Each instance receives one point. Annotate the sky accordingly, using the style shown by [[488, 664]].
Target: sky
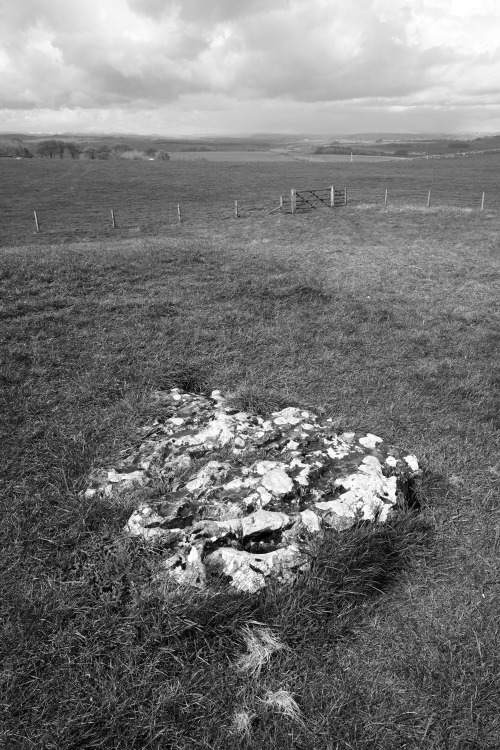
[[193, 67]]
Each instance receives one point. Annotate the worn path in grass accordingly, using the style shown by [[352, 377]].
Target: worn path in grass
[[385, 320]]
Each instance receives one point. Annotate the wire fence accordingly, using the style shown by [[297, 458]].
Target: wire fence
[[433, 197], [454, 155], [133, 216], [62, 218]]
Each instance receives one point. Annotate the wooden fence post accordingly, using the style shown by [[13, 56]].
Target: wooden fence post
[[482, 203], [179, 217], [113, 219], [429, 199], [385, 201], [332, 196], [38, 228], [345, 196], [281, 201], [293, 200], [236, 214]]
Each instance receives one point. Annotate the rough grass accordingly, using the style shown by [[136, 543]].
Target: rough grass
[[386, 321], [73, 199]]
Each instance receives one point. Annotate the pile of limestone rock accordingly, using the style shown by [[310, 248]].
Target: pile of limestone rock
[[246, 493]]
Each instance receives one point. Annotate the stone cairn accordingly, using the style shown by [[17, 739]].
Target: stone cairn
[[250, 517]]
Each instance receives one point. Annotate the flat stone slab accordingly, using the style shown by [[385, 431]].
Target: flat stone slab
[[284, 477]]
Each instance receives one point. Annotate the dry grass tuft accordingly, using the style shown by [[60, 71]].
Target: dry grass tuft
[[242, 722], [261, 644], [283, 702]]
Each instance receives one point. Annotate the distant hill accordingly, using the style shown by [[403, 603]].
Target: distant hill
[[370, 143]]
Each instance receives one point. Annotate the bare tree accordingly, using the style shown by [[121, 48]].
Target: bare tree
[[73, 150], [59, 148], [45, 149], [51, 148], [15, 148]]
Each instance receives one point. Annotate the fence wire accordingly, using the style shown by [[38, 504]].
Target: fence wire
[[415, 198], [62, 218]]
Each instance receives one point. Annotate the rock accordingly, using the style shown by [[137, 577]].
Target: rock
[[370, 441], [368, 490], [248, 519], [248, 572], [263, 522], [265, 496], [263, 467], [208, 475], [126, 479], [346, 507], [238, 566], [290, 415], [311, 521], [241, 416], [177, 515], [277, 482], [185, 567], [412, 462], [147, 523], [218, 529], [348, 437]]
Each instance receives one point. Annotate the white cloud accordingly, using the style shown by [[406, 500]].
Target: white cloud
[[264, 57]]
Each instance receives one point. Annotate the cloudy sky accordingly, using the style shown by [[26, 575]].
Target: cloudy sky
[[241, 66]]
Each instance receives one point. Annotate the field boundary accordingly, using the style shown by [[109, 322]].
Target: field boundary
[[303, 200], [65, 201], [457, 154]]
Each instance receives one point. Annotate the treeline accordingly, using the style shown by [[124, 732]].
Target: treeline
[[54, 148], [15, 149]]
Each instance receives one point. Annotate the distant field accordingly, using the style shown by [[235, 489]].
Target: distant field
[[74, 199], [232, 156], [339, 158], [276, 155]]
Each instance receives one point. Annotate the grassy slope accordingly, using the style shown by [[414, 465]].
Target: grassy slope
[[388, 321]]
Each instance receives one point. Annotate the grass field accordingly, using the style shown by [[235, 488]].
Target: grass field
[[273, 155], [232, 156], [385, 319], [73, 199]]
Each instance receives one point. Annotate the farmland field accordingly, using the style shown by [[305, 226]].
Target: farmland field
[[231, 156], [387, 320], [73, 199], [271, 155]]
